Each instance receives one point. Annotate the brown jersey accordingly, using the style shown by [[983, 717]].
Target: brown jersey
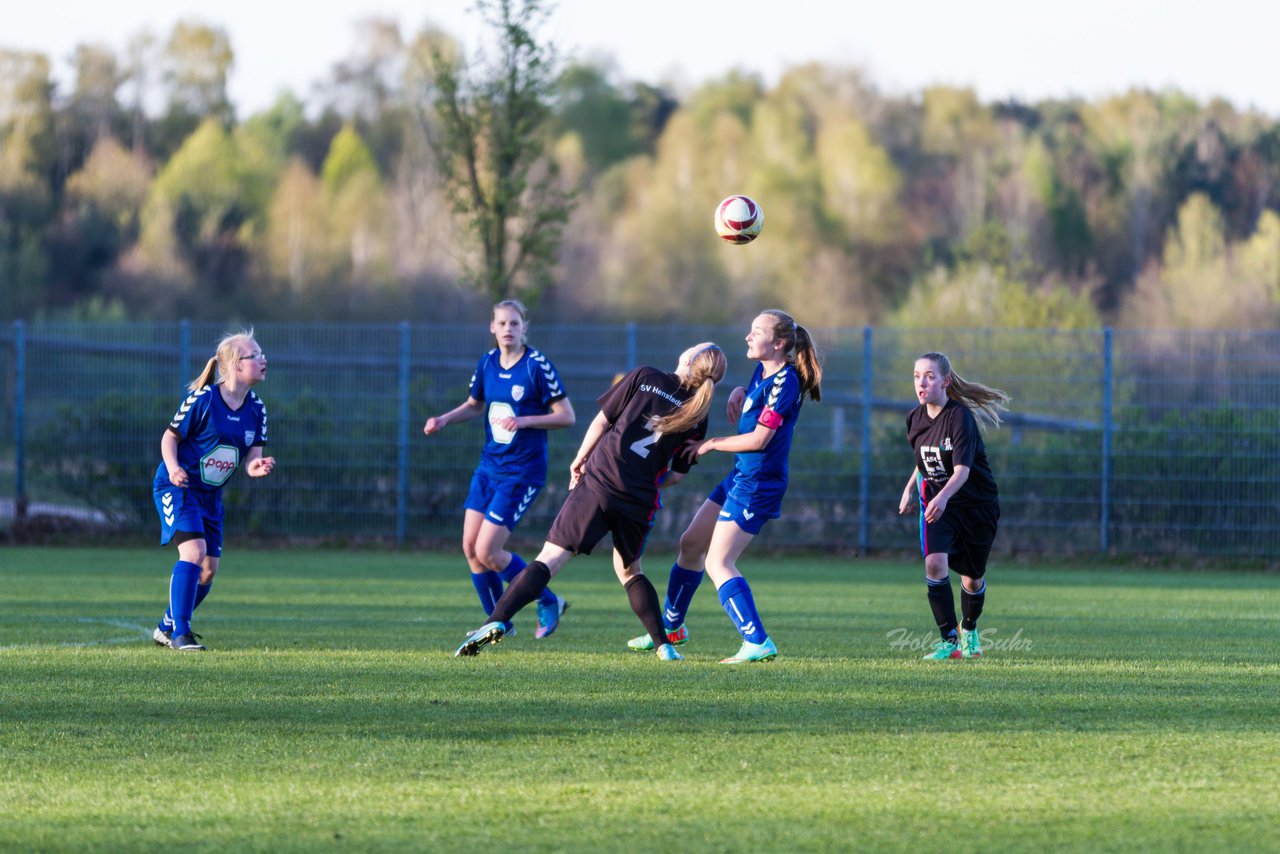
[[628, 462]]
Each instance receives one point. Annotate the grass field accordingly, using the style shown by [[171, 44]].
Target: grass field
[[1118, 709]]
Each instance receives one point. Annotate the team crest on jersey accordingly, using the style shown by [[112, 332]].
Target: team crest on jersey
[[517, 392], [248, 437]]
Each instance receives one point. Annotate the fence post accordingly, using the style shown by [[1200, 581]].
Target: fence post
[[864, 485], [184, 351], [1108, 380], [19, 426], [632, 351], [402, 440]]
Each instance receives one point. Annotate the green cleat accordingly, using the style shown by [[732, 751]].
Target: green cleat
[[750, 652], [667, 652], [943, 650], [644, 643], [970, 643]]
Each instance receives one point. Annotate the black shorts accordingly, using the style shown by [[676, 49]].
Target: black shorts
[[964, 534], [586, 517]]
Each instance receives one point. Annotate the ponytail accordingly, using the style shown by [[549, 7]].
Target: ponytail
[[801, 351], [208, 376], [808, 368], [706, 368], [985, 402]]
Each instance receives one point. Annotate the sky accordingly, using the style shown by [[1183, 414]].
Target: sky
[[1025, 49]]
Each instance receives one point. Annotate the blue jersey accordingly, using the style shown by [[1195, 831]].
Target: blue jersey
[[213, 438], [528, 387], [760, 477]]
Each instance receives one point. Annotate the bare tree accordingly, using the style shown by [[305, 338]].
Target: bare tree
[[488, 125]]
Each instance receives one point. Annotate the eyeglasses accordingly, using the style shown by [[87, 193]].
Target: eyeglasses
[[262, 357]]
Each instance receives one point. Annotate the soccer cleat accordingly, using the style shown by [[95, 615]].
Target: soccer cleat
[[511, 631], [943, 650], [750, 652], [187, 643], [970, 643], [667, 652], [488, 633], [162, 637], [549, 617], [644, 643]]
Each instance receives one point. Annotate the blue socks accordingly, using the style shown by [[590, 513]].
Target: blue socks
[[514, 568], [202, 590], [182, 595], [740, 605], [681, 585], [488, 587]]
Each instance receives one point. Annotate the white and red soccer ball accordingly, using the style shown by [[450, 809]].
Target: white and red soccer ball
[[739, 219]]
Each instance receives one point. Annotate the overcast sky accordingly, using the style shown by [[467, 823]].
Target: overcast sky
[[1029, 49]]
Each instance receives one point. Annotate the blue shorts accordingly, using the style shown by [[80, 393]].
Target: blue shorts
[[191, 511], [748, 518], [503, 502]]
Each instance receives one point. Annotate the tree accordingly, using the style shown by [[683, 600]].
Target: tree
[[197, 61], [94, 106], [489, 129], [356, 204], [1205, 282], [591, 107], [100, 219]]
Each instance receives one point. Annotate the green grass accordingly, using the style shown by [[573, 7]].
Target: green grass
[[1134, 710]]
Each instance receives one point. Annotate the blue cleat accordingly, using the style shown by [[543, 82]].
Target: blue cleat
[[549, 617], [187, 643], [481, 637]]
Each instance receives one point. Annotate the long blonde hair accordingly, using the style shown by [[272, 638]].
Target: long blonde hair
[[800, 352], [225, 358], [986, 403], [706, 368]]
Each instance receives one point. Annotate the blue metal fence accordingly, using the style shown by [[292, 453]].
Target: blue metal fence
[[1118, 441]]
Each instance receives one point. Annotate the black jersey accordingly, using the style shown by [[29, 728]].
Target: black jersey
[[630, 459], [942, 443]]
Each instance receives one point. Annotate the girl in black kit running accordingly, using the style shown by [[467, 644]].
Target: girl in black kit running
[[628, 451], [959, 503]]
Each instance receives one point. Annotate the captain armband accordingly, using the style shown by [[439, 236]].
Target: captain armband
[[770, 418]]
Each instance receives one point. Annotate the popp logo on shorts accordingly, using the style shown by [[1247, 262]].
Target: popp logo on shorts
[[218, 465]]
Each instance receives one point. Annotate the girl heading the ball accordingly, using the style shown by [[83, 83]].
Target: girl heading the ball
[[765, 412], [629, 450]]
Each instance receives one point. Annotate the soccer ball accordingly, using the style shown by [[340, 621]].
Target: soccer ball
[[739, 219]]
